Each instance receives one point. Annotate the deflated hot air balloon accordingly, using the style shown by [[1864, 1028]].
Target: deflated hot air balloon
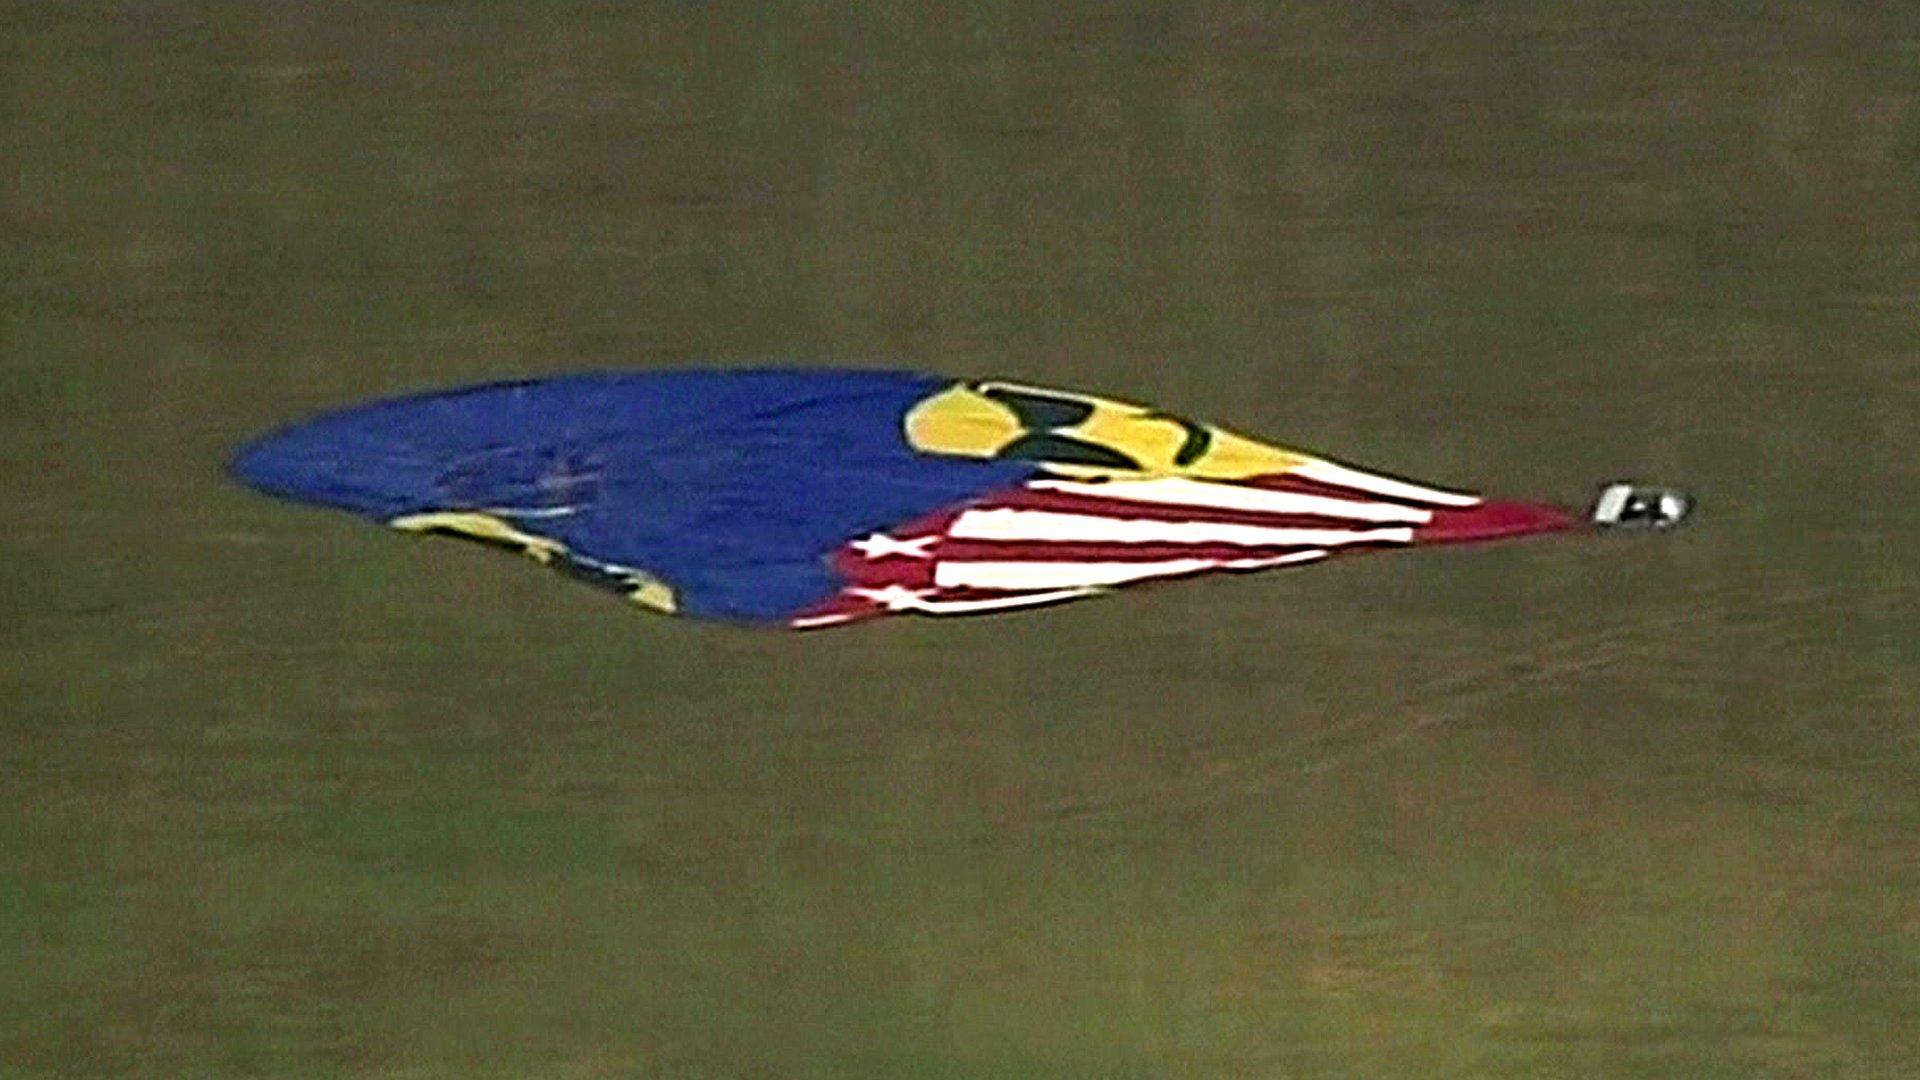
[[817, 498]]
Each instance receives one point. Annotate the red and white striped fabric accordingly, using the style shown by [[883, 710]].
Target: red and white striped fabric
[[1054, 540]]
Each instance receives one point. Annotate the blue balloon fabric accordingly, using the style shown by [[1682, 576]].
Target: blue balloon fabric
[[730, 485]]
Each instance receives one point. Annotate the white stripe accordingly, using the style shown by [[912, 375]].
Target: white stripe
[[1327, 472], [906, 601], [1089, 528], [811, 621], [1055, 575], [1276, 560], [1178, 492]]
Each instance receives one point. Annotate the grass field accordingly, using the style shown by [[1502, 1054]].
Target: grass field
[[285, 795]]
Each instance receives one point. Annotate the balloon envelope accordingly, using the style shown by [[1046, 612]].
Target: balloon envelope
[[812, 498]]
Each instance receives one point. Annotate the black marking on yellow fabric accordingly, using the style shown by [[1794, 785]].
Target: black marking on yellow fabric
[[1065, 450], [566, 565], [1039, 412], [498, 543], [598, 576], [1194, 446]]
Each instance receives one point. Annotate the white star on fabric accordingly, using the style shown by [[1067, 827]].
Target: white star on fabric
[[880, 546], [894, 597]]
